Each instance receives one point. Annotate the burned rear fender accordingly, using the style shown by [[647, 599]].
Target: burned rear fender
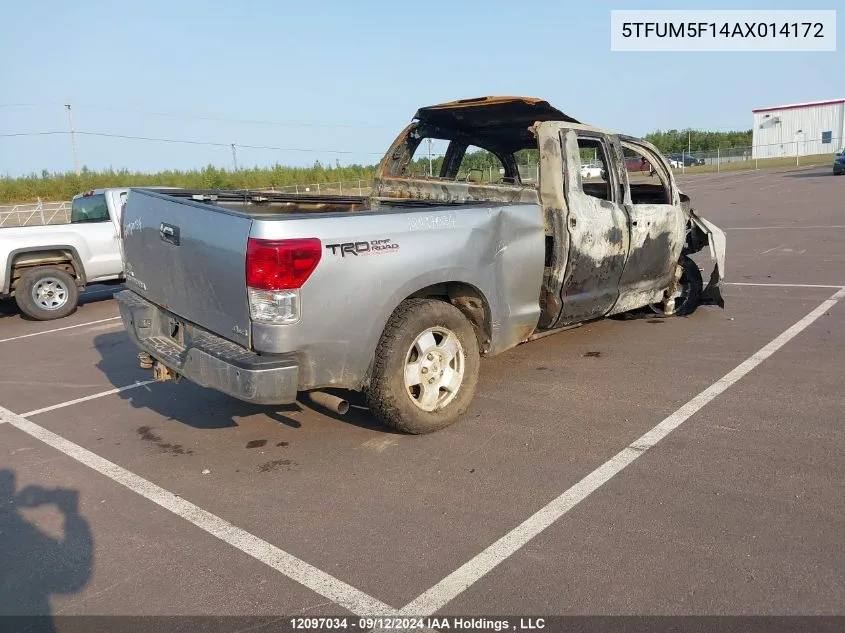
[[702, 232]]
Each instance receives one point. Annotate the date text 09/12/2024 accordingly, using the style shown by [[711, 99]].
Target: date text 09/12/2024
[[408, 623]]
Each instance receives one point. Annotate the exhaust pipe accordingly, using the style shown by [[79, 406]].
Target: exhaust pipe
[[328, 401]]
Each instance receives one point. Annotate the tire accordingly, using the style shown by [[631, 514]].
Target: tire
[[424, 337], [692, 286], [46, 293]]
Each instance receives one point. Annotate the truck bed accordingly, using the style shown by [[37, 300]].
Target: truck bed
[[260, 203], [186, 252]]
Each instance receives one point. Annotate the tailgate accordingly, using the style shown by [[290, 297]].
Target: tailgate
[[189, 258]]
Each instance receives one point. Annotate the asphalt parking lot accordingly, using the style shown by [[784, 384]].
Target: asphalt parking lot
[[650, 466]]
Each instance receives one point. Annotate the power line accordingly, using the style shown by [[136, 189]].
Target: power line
[[219, 119], [191, 142], [31, 134], [215, 144], [202, 117], [199, 117], [27, 105], [150, 138]]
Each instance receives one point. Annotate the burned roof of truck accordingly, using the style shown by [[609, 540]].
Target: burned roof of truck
[[491, 111], [503, 119]]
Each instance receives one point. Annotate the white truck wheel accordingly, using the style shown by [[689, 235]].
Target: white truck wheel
[[426, 367], [45, 293]]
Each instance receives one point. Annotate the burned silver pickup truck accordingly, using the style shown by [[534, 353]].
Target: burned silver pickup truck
[[398, 294]]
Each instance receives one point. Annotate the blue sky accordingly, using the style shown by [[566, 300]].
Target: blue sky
[[348, 76]]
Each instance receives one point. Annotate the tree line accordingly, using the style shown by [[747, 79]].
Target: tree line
[[63, 186], [676, 141]]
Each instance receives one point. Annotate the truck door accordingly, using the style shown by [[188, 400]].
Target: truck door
[[658, 226], [90, 212], [118, 199], [597, 226]]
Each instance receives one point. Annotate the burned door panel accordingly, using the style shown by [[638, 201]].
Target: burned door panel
[[554, 214], [657, 232], [657, 237], [597, 226]]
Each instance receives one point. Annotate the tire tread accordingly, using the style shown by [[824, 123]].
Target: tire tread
[[23, 293], [383, 395]]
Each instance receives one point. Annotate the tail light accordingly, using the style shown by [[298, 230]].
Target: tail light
[[275, 271]]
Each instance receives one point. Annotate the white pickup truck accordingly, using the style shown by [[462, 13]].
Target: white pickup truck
[[44, 268]]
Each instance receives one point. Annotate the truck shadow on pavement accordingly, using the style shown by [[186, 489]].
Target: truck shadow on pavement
[[208, 409], [33, 564]]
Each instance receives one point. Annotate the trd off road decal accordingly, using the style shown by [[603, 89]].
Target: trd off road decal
[[373, 247]]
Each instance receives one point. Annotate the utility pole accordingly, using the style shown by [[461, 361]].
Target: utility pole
[[430, 172], [72, 141], [235, 156]]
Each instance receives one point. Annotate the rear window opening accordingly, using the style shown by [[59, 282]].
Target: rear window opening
[[91, 208], [594, 172], [467, 163], [498, 157], [648, 182]]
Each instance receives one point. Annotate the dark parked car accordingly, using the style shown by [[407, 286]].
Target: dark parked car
[[839, 163], [688, 159]]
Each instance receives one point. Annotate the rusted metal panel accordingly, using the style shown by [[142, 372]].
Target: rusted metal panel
[[452, 192]]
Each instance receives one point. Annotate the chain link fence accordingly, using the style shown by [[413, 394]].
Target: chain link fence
[[799, 152]]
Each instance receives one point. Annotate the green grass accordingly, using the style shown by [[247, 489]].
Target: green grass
[[63, 186], [50, 187]]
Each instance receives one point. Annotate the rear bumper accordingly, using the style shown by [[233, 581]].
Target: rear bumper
[[207, 359]]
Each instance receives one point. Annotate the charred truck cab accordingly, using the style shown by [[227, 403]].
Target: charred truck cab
[[621, 226], [471, 254]]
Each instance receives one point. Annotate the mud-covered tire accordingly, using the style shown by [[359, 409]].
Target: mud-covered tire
[[692, 285], [60, 304], [404, 351]]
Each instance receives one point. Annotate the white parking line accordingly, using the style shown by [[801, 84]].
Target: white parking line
[[434, 599], [287, 564], [58, 329], [470, 572], [62, 405]]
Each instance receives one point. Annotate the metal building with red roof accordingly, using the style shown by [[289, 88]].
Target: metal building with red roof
[[803, 129]]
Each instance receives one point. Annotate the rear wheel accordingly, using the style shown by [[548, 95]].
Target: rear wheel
[[45, 293], [426, 367], [688, 294]]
